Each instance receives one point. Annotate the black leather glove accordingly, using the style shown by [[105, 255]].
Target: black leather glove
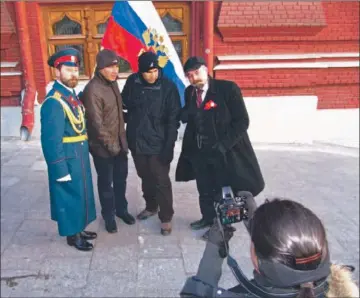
[[222, 241], [166, 156]]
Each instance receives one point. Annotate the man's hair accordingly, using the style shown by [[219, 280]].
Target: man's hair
[[284, 231]]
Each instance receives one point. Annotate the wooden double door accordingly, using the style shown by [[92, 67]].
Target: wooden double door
[[82, 26]]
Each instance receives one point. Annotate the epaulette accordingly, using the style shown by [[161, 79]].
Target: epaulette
[[57, 95]]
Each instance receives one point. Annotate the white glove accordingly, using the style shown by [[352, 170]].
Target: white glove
[[64, 179]]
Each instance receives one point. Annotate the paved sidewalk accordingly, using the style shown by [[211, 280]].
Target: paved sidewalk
[[138, 261]]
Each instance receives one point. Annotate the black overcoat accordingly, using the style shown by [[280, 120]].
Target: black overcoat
[[230, 121]]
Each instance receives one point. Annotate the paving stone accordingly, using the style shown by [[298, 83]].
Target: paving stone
[[9, 181], [39, 227], [120, 259], [5, 290], [23, 283], [39, 166], [5, 240], [150, 226], [24, 292], [66, 279], [61, 291], [166, 293], [139, 262], [33, 252], [169, 273], [10, 222], [58, 247], [192, 255], [153, 246], [110, 284], [21, 160], [67, 264], [123, 237], [24, 263]]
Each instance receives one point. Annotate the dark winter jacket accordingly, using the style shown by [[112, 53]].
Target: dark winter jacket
[[338, 283], [104, 117], [273, 279], [152, 114], [225, 123]]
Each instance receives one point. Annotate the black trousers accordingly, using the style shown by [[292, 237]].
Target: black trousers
[[112, 174], [156, 185], [208, 184]]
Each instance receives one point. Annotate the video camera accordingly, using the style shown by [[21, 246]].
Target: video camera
[[231, 209]]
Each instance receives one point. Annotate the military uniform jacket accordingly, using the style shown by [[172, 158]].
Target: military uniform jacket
[[65, 148]]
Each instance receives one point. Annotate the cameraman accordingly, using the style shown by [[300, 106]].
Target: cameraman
[[289, 251]]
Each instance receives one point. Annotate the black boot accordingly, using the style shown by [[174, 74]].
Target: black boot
[[79, 242], [87, 235], [126, 217], [110, 225], [200, 224]]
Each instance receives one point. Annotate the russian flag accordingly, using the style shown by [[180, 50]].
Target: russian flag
[[135, 26]]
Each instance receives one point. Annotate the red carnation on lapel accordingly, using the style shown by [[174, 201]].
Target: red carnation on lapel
[[210, 105]]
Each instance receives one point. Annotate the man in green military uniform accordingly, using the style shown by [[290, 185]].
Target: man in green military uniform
[[65, 147]]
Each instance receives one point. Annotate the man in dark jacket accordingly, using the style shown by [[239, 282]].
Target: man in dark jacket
[[107, 138], [153, 105], [216, 149]]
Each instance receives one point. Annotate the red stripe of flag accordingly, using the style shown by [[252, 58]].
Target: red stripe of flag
[[126, 45]]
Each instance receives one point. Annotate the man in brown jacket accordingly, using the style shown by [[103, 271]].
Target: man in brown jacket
[[107, 138]]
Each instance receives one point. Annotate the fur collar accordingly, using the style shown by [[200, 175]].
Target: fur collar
[[340, 283]]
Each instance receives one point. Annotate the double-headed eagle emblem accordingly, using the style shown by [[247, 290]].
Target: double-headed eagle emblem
[[154, 42]]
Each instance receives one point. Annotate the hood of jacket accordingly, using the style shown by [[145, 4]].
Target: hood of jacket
[[341, 283]]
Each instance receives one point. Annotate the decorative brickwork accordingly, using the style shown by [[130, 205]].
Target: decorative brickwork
[[291, 28]]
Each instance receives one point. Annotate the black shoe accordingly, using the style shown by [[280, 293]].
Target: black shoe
[[110, 225], [79, 243], [127, 218], [200, 224], [87, 235]]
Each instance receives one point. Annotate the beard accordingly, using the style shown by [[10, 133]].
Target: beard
[[199, 84], [71, 83]]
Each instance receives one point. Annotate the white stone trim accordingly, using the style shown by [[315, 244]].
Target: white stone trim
[[10, 73], [274, 121], [296, 120], [8, 64], [287, 56], [82, 83], [288, 65]]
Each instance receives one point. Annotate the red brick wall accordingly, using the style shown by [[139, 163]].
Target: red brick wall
[[335, 87], [11, 86], [334, 29]]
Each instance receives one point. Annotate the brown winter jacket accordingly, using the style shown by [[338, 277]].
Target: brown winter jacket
[[104, 117]]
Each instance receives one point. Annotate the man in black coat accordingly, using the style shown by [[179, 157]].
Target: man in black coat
[[216, 149], [153, 105]]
